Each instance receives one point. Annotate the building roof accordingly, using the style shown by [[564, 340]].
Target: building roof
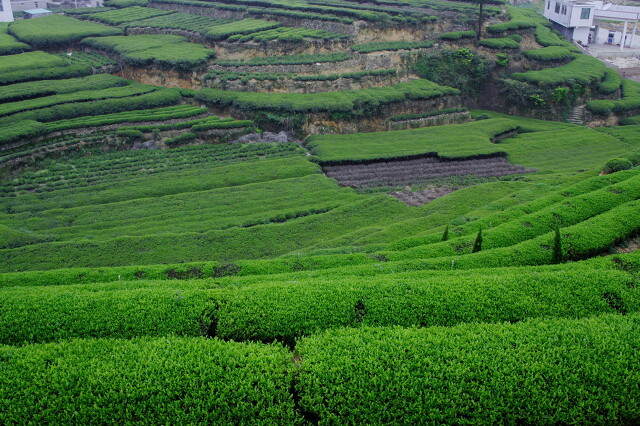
[[37, 11]]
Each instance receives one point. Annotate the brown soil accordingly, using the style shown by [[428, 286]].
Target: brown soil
[[406, 172]]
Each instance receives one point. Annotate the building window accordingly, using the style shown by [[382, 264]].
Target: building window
[[557, 8], [585, 12], [548, 4], [564, 9]]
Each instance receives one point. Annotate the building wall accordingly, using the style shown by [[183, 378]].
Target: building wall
[[602, 36], [6, 14], [21, 5]]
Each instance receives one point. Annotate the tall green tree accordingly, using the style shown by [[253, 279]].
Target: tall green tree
[[477, 244]]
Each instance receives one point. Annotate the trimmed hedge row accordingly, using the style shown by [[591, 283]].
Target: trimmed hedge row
[[569, 211], [244, 26], [519, 19], [378, 46], [283, 311], [545, 371], [56, 30], [170, 380], [514, 213], [584, 69], [269, 310], [20, 130], [630, 100], [50, 73], [611, 82], [21, 91], [127, 14], [10, 46], [354, 101], [287, 60], [549, 54], [457, 35], [500, 43], [157, 98], [154, 49]]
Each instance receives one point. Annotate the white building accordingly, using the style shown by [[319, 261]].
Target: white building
[[595, 22], [6, 12]]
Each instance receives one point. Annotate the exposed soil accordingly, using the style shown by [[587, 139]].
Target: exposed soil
[[628, 246], [405, 172], [418, 198]]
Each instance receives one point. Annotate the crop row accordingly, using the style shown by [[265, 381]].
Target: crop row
[[287, 60], [569, 211], [8, 44], [500, 43], [93, 59], [287, 34], [127, 14], [519, 19], [247, 76], [457, 35], [513, 213], [377, 46], [22, 91], [404, 117], [348, 100], [178, 20], [163, 50], [154, 99], [271, 311], [630, 100], [611, 82], [115, 91], [548, 54], [56, 30], [155, 114], [584, 69]]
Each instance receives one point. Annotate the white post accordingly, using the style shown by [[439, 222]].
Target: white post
[[633, 33], [624, 34]]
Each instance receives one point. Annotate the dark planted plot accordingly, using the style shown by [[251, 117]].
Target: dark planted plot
[[405, 172]]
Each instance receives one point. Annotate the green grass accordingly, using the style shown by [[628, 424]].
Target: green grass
[[56, 30]]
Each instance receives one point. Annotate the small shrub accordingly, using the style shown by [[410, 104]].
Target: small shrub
[[477, 244], [181, 139], [616, 165]]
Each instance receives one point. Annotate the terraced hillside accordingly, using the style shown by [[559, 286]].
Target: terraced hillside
[[315, 212]]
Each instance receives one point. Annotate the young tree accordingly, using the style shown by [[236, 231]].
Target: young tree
[[557, 245], [477, 244], [445, 234]]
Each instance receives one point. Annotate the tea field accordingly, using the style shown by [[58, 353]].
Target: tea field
[[315, 212]]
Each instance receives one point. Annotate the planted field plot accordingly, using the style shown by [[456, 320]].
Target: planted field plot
[[245, 26], [31, 66], [57, 30], [161, 50], [583, 69], [8, 44], [419, 170], [287, 34]]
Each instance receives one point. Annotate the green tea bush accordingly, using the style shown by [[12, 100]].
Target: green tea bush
[[154, 99], [288, 60], [457, 35], [611, 82], [182, 21], [154, 114], [31, 61], [163, 50], [128, 14], [181, 380], [281, 311], [617, 165], [547, 37], [10, 46], [584, 69], [53, 72], [519, 19], [391, 45], [404, 117], [357, 75], [630, 100], [540, 371], [20, 130], [79, 96], [244, 26], [500, 43], [548, 54], [126, 3], [56, 30], [181, 139], [354, 101], [287, 34]]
